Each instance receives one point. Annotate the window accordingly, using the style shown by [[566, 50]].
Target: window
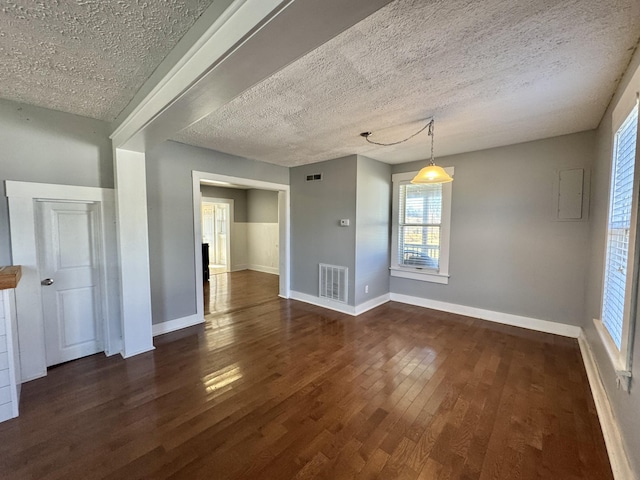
[[619, 263], [421, 218], [619, 228]]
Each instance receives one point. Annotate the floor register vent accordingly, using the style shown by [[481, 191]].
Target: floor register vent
[[334, 282]]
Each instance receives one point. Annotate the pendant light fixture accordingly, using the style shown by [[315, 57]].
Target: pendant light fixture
[[432, 173]]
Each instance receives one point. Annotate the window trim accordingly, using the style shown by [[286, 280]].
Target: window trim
[[621, 358], [440, 276]]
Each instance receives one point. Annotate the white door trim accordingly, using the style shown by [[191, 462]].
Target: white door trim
[[283, 221], [230, 222], [233, 233], [21, 197]]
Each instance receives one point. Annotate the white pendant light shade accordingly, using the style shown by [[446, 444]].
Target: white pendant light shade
[[432, 174]]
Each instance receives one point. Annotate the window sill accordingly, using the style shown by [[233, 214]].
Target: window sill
[[615, 356], [610, 347], [414, 274]]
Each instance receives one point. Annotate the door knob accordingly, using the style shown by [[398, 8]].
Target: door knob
[[47, 282]]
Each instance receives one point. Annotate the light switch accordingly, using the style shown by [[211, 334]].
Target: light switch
[[344, 222]]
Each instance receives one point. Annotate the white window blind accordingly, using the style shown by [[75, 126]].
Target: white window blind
[[618, 228], [420, 218]]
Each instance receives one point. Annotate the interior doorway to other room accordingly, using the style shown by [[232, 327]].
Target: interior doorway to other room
[[216, 231]]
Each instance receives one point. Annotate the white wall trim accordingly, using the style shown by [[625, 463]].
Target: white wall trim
[[615, 356], [176, 324], [610, 427], [323, 302], [338, 306], [284, 240], [129, 171], [231, 222], [133, 353], [498, 317], [402, 272], [241, 266], [23, 233], [371, 304], [263, 269], [53, 191]]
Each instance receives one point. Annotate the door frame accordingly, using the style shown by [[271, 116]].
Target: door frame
[[22, 197], [230, 221], [283, 226]]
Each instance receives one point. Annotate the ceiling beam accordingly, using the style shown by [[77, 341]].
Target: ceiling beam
[[246, 43]]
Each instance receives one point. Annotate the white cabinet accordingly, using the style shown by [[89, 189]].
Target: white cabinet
[[9, 356]]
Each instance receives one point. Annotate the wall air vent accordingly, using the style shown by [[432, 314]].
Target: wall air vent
[[314, 177], [334, 282]]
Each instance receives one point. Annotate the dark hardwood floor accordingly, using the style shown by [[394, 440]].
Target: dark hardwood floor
[[284, 390], [227, 292]]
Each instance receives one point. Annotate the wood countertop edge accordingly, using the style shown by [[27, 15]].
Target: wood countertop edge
[[10, 276]]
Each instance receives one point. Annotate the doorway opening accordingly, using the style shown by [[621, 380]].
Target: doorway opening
[[243, 226]]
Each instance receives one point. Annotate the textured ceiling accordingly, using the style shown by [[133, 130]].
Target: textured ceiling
[[492, 73], [87, 57]]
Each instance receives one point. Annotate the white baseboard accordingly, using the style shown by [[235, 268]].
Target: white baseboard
[[498, 317], [338, 306], [136, 352], [612, 437], [116, 348], [371, 304], [264, 269], [323, 302], [34, 377], [177, 324], [257, 268]]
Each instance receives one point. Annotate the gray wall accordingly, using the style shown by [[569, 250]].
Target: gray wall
[[262, 206], [170, 210], [373, 211], [316, 234], [238, 195], [625, 405], [507, 253], [40, 145]]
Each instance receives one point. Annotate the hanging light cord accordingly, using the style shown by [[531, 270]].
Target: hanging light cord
[[429, 125]]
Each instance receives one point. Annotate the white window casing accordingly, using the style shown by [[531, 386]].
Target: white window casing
[[422, 212], [620, 275]]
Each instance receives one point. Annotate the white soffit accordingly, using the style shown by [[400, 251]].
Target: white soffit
[[87, 57], [492, 73]]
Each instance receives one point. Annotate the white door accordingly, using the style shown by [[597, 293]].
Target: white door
[[68, 253]]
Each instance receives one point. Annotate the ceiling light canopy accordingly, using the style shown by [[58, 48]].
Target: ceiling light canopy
[[432, 173]]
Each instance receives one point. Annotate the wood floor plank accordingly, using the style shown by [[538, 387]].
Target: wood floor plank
[[276, 389]]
